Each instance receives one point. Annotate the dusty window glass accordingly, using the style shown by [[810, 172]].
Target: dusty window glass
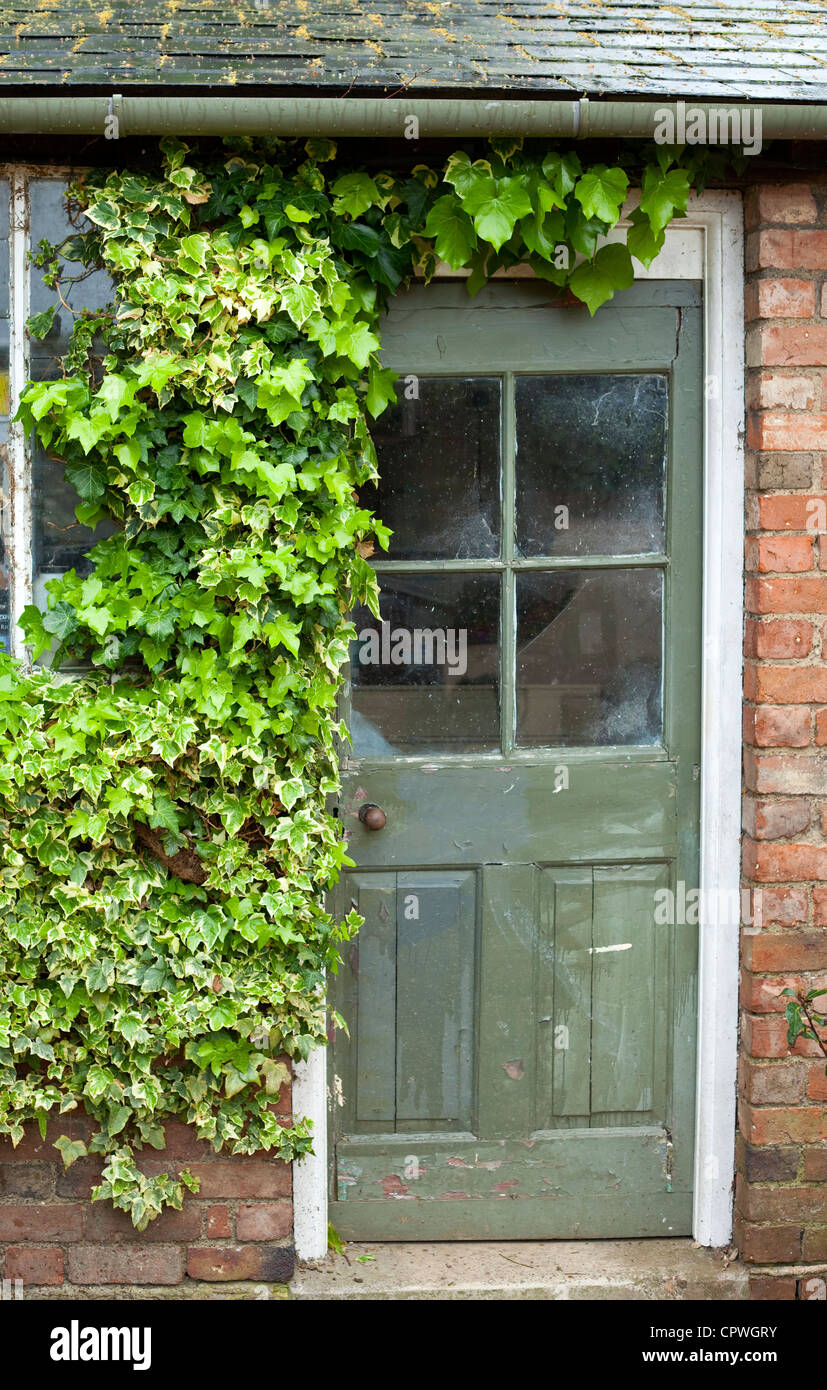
[[439, 468], [591, 464], [60, 542], [589, 657], [5, 518], [426, 678]]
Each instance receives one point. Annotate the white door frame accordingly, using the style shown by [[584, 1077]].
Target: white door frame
[[707, 245]]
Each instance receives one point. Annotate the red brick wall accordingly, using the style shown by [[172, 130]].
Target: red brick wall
[[234, 1239], [781, 1201], [236, 1233]]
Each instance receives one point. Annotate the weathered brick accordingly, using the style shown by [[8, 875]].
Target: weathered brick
[[762, 994], [793, 950], [774, 863], [36, 1180], [103, 1222], [812, 1287], [783, 906], [181, 1141], [777, 391], [793, 512], [803, 594], [783, 470], [58, 1221], [790, 298], [264, 1220], [787, 249], [770, 1165], [772, 1288], [271, 1263], [34, 1266], [78, 1181], [785, 554], [785, 773], [32, 1146], [125, 1264], [763, 1036], [219, 1222], [775, 820], [768, 1244], [817, 1087], [243, 1177], [803, 1124], [780, 726], [788, 345], [789, 685], [815, 1164], [780, 1204], [772, 1083], [790, 203], [814, 1243], [781, 638]]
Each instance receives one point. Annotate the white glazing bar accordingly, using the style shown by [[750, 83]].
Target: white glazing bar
[[19, 475]]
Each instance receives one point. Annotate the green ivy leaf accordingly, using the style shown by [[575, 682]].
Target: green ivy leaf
[[453, 231], [354, 194], [495, 206], [70, 1149], [664, 194], [601, 191], [40, 325], [596, 281]]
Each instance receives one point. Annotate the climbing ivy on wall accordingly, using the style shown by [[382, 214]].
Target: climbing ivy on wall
[[165, 838]]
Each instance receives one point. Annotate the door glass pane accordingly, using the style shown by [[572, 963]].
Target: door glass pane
[[426, 679], [439, 468], [5, 517], [591, 464], [60, 542], [589, 657]]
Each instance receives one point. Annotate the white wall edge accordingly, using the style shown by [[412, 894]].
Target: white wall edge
[[310, 1174], [708, 242], [721, 216], [19, 527]]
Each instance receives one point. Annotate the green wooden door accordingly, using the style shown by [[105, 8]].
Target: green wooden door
[[522, 1020]]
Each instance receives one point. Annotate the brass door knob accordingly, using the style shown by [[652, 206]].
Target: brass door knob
[[372, 817]]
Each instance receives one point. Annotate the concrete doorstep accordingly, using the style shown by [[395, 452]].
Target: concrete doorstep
[[559, 1269]]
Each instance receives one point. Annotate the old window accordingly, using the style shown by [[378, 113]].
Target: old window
[[40, 536]]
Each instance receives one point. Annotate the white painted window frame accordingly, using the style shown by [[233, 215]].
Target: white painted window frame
[[707, 245]]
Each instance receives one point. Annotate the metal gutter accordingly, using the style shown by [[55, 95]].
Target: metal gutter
[[377, 116]]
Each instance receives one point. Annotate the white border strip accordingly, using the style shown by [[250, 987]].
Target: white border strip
[[716, 220], [721, 216], [19, 474], [310, 1174]]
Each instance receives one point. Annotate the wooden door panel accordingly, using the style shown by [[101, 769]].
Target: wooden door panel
[[522, 1032], [587, 1183], [375, 979], [610, 809], [410, 982], [436, 958]]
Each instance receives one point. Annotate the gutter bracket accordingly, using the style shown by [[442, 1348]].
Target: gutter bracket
[[580, 119]]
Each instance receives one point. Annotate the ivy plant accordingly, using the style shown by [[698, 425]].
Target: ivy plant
[[166, 842]]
